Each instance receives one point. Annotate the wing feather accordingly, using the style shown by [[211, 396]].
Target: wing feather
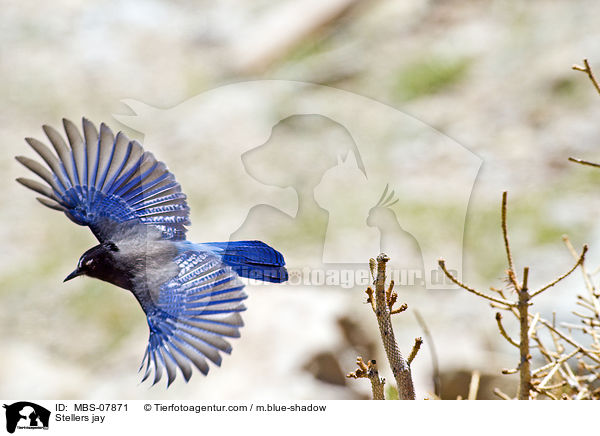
[[191, 317], [77, 145], [105, 155], [97, 175], [39, 169], [90, 134], [44, 152], [66, 158], [51, 204], [38, 187]]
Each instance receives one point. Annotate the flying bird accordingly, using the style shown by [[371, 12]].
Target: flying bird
[[190, 292]]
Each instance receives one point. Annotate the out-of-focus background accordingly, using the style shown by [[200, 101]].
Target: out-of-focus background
[[494, 77]]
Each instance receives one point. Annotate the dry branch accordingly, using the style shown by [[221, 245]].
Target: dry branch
[[588, 70], [382, 301], [371, 372], [400, 367], [534, 382]]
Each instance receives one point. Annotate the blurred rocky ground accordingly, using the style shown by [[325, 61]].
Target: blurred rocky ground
[[494, 76]]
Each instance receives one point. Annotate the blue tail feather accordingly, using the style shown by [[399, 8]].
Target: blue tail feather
[[251, 259]]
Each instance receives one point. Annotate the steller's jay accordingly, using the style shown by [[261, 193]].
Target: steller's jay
[[190, 292]]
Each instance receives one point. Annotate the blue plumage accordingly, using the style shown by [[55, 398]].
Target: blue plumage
[[191, 293], [250, 259]]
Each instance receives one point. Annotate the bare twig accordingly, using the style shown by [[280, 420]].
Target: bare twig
[[593, 297], [390, 296], [525, 362], [581, 394], [588, 70], [369, 371], [361, 371], [372, 266], [579, 262], [400, 368], [512, 309], [442, 264], [377, 383], [401, 309], [503, 331], [437, 383], [584, 162], [501, 394], [370, 298], [554, 386], [592, 355], [557, 379], [555, 366], [415, 350], [532, 325], [545, 392], [474, 385], [511, 268]]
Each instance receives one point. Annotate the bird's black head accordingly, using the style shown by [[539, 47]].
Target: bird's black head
[[98, 262]]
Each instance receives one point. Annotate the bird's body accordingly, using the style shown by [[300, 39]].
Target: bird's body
[[136, 259], [190, 292]]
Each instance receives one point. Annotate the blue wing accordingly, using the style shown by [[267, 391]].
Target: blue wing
[[99, 176], [190, 316]]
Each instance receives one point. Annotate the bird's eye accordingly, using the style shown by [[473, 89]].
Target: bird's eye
[[89, 262]]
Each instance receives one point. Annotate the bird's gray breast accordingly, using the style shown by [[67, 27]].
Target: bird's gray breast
[[150, 264]]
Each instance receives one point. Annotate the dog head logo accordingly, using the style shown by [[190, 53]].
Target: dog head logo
[[26, 415]]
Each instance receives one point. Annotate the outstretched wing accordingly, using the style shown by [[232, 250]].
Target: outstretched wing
[[98, 175], [191, 315]]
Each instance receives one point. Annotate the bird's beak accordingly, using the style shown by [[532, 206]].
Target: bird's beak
[[74, 274]]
